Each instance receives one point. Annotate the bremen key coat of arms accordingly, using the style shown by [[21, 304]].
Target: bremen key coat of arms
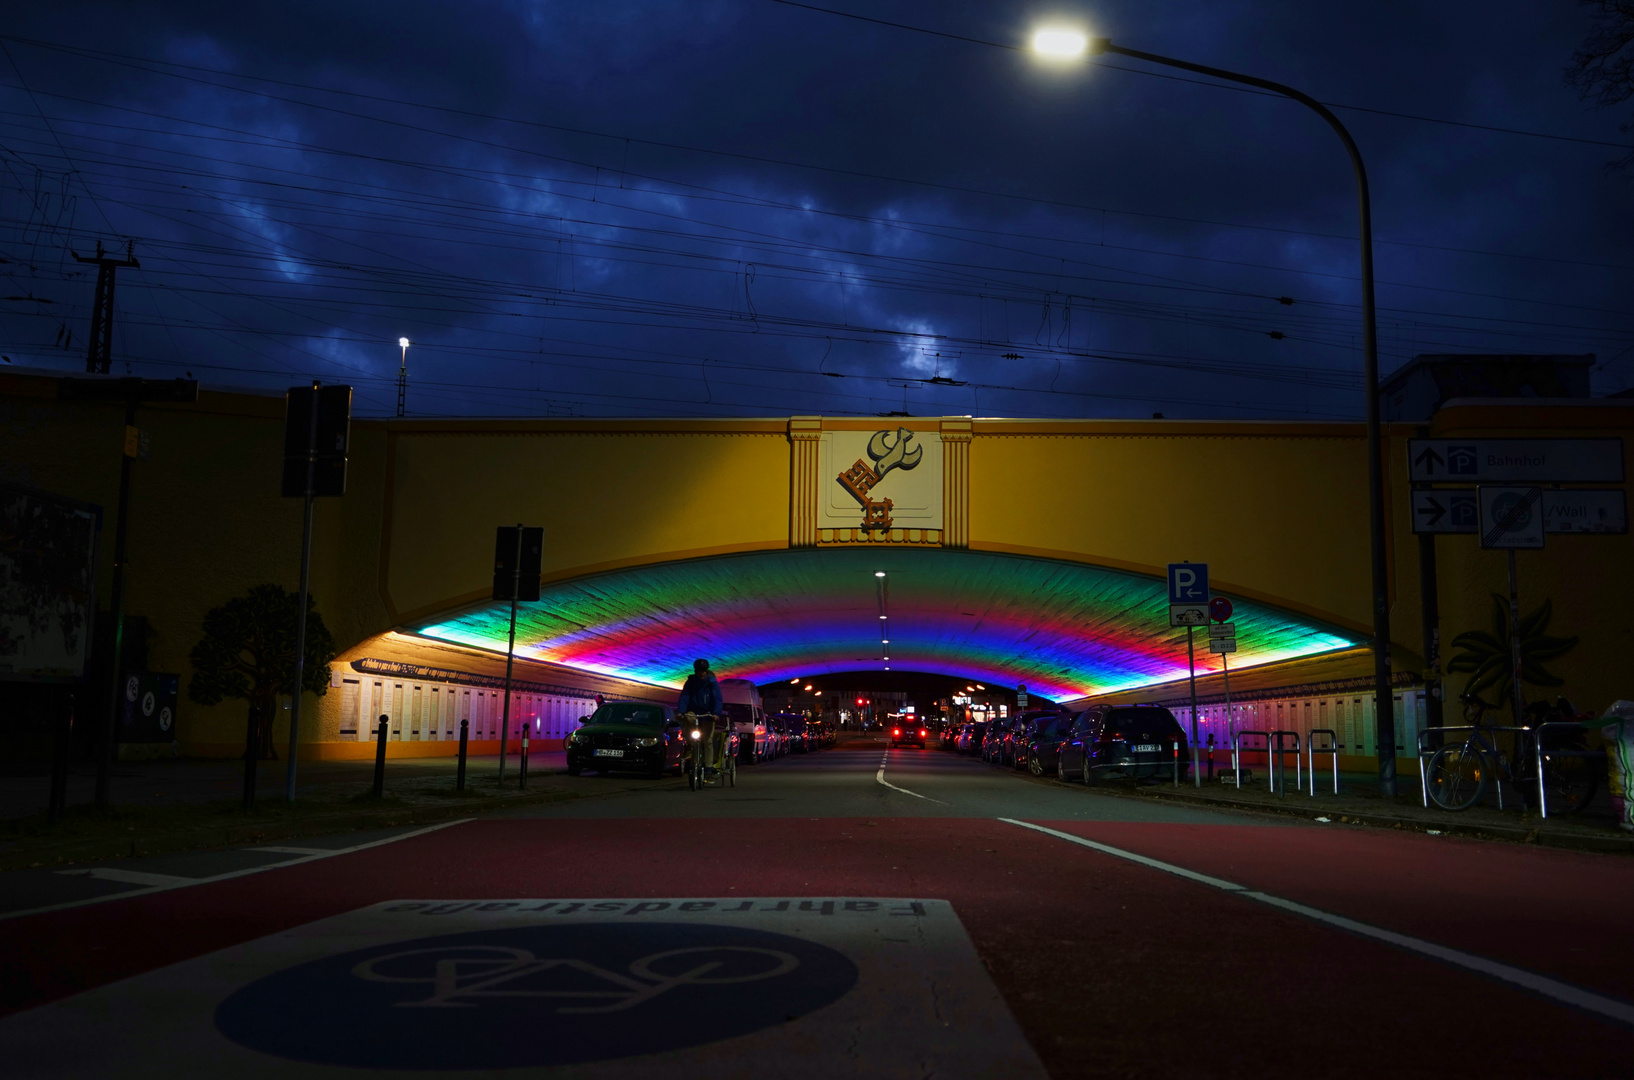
[[888, 450]]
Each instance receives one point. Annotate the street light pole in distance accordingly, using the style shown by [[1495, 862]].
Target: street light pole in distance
[[1066, 44], [402, 375]]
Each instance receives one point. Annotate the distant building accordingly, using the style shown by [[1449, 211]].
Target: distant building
[[1432, 379]]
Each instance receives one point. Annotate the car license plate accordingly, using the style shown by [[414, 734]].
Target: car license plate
[[1143, 748], [609, 753]]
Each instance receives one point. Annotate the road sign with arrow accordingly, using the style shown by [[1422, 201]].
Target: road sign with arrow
[[1579, 510], [1474, 461]]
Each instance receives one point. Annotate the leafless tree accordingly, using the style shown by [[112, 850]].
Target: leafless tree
[[1602, 70]]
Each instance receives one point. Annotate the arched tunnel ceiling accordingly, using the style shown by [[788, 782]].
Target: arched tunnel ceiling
[[1064, 629]]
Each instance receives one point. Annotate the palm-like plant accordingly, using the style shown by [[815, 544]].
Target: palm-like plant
[[1486, 657]]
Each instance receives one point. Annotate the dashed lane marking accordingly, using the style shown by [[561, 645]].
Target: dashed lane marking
[[152, 886], [1618, 1011], [880, 776]]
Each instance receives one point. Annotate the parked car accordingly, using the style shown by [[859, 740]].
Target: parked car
[[971, 736], [741, 699], [1123, 740], [1043, 744], [634, 736], [998, 732], [1020, 738], [947, 734]]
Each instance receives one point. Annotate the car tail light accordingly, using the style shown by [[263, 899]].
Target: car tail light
[[921, 733], [895, 732]]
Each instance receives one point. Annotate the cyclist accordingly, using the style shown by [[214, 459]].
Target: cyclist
[[701, 701]]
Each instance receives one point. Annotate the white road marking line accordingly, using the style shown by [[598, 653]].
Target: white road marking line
[[129, 877], [880, 776], [280, 850], [1611, 1008], [182, 883]]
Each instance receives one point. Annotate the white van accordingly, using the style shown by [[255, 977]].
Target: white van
[[742, 701]]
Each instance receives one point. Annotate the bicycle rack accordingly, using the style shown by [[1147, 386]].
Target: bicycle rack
[[1423, 779], [1537, 744], [1236, 752], [1311, 750], [1279, 779]]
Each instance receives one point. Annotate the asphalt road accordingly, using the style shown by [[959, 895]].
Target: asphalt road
[[858, 911]]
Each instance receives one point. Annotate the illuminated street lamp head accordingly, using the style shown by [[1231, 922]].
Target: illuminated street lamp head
[[879, 573], [1060, 42], [402, 342]]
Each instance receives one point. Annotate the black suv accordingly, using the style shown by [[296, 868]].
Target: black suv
[[906, 731], [1143, 741]]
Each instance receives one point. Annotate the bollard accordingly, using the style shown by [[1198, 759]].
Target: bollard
[[522, 770], [380, 756], [1177, 763], [465, 735]]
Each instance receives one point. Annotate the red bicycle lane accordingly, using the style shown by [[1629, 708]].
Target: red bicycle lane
[[1108, 966], [1544, 910]]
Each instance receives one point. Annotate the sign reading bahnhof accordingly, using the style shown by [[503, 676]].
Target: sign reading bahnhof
[[587, 988]]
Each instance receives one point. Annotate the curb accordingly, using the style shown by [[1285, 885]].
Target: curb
[[1533, 835], [208, 837], [1613, 844]]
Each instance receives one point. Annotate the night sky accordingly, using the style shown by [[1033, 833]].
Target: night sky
[[739, 207]]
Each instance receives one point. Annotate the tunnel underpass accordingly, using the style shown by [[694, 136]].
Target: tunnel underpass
[[1066, 630]]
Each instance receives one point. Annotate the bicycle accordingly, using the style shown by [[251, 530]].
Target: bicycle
[[710, 755], [1457, 772]]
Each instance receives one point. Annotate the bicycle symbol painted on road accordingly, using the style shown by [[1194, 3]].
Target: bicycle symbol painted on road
[[535, 995], [462, 978]]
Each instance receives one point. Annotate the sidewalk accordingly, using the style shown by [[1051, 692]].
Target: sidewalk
[[178, 781], [1359, 803], [183, 805]]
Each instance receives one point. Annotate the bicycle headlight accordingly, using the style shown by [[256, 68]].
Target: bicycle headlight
[[696, 734]]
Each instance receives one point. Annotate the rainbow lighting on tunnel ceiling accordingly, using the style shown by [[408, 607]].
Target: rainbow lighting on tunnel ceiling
[[1065, 629]]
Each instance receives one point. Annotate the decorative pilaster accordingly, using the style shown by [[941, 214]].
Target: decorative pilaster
[[956, 481], [805, 435]]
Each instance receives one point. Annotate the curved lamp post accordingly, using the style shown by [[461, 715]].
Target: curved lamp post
[[1070, 44]]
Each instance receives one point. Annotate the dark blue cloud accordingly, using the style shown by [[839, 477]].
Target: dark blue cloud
[[742, 207]]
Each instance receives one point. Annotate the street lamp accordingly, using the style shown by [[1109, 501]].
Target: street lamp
[[402, 375], [1058, 43]]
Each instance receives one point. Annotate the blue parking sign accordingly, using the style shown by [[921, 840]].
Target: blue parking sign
[[1188, 583]]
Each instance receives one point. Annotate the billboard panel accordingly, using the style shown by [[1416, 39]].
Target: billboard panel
[[47, 585]]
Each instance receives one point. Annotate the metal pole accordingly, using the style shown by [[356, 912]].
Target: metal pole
[[300, 609], [104, 755], [1430, 615], [1518, 706], [57, 802], [380, 755], [1191, 663], [510, 652], [1225, 669], [252, 748], [1384, 711], [465, 735]]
